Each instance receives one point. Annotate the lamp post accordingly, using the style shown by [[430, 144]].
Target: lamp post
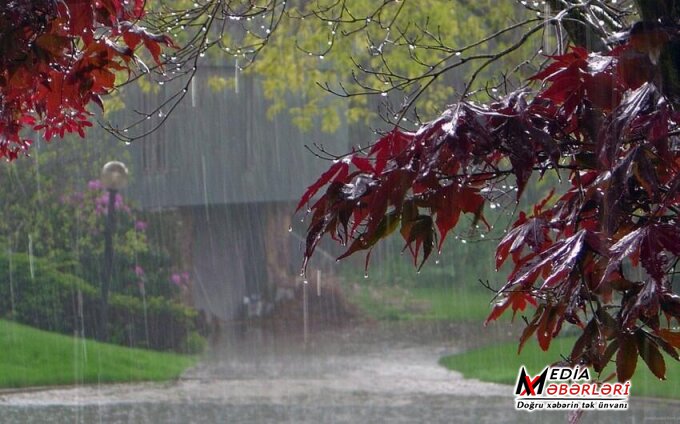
[[114, 177]]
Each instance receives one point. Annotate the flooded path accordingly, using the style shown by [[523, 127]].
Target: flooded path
[[385, 373]]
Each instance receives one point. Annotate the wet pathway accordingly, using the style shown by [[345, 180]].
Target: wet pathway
[[371, 374]]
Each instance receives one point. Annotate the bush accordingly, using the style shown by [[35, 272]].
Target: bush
[[196, 343], [36, 293]]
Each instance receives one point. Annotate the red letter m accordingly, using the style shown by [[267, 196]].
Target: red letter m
[[525, 385]]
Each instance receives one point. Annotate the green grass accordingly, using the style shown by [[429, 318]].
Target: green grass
[[31, 357], [422, 303], [500, 363]]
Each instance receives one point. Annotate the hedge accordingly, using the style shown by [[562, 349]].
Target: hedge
[[35, 292]]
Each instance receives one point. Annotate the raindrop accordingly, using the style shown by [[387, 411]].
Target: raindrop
[[383, 94], [290, 229], [366, 275]]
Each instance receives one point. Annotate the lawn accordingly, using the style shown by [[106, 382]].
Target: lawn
[[385, 302], [500, 363], [31, 357]]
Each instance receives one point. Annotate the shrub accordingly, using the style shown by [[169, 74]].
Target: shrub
[[36, 293]]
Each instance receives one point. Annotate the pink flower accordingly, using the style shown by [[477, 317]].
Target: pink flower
[[139, 271], [95, 185], [176, 279], [140, 225], [102, 200]]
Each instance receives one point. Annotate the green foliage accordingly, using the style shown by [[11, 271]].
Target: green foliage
[[32, 357], [36, 190], [35, 292], [331, 44], [327, 53], [196, 343]]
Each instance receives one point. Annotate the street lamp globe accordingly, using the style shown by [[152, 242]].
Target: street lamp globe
[[114, 175]]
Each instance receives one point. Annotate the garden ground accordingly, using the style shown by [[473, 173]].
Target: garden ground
[[32, 357]]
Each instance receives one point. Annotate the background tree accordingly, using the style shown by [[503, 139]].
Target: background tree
[[307, 43]]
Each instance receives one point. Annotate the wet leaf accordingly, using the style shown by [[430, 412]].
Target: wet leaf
[[672, 337], [337, 172], [626, 357], [649, 352]]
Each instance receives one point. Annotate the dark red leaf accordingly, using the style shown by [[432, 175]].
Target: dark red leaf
[[649, 353], [339, 170], [626, 358], [529, 330], [646, 244], [672, 337], [420, 232], [532, 233]]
